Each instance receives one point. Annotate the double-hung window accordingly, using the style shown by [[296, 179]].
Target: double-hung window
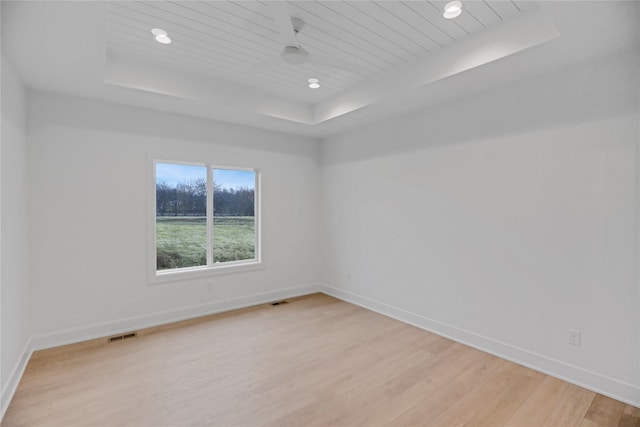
[[206, 219]]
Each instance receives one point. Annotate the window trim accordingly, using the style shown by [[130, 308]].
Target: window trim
[[211, 269]]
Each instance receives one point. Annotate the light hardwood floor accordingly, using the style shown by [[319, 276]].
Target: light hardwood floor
[[315, 361]]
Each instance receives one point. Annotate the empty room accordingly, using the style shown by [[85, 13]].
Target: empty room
[[320, 212]]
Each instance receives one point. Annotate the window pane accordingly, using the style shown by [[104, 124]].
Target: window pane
[[181, 216], [234, 235]]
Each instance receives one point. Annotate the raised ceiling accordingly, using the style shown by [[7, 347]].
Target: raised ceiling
[[238, 41], [228, 53], [224, 64]]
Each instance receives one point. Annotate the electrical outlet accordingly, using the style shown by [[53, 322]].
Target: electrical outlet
[[575, 337]]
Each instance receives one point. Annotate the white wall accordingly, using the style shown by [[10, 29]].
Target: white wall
[[90, 167], [14, 320], [502, 220]]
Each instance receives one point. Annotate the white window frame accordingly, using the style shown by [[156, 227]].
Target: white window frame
[[211, 269]]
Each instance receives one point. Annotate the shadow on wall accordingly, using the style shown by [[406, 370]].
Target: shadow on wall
[[574, 95]]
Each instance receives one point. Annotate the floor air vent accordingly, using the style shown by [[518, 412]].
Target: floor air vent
[[280, 302], [123, 337]]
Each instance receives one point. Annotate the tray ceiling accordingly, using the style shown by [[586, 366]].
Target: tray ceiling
[[236, 40], [408, 56]]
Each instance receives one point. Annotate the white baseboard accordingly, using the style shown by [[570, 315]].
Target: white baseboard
[[611, 387], [100, 330], [14, 379]]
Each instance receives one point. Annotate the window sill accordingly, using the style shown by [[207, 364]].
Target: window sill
[[169, 276]]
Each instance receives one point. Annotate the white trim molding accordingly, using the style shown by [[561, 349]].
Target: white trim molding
[[210, 269], [593, 381], [611, 387], [14, 379], [101, 330]]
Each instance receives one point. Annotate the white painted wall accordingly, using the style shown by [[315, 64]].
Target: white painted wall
[[14, 310], [90, 166], [502, 220]]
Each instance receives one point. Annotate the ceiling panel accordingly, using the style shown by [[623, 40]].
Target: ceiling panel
[[481, 12], [238, 40], [416, 24], [432, 17], [503, 8], [336, 19], [372, 19], [467, 21]]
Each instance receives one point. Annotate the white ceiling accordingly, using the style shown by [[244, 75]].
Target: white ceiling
[[223, 62], [231, 39]]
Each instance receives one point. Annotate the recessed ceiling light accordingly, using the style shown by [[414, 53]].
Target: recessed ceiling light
[[313, 80], [453, 9], [163, 39], [314, 85], [161, 36]]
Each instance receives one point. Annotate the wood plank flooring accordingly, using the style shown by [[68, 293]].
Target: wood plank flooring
[[315, 361]]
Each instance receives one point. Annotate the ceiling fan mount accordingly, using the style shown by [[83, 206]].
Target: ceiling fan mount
[[293, 53], [297, 24]]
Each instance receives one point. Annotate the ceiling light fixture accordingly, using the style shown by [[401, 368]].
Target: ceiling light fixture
[[313, 80], [163, 39], [452, 10], [161, 36], [314, 85]]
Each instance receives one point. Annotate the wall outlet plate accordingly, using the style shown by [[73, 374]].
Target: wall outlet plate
[[575, 337]]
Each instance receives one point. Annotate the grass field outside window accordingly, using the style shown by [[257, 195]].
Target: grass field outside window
[[204, 216], [182, 241]]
